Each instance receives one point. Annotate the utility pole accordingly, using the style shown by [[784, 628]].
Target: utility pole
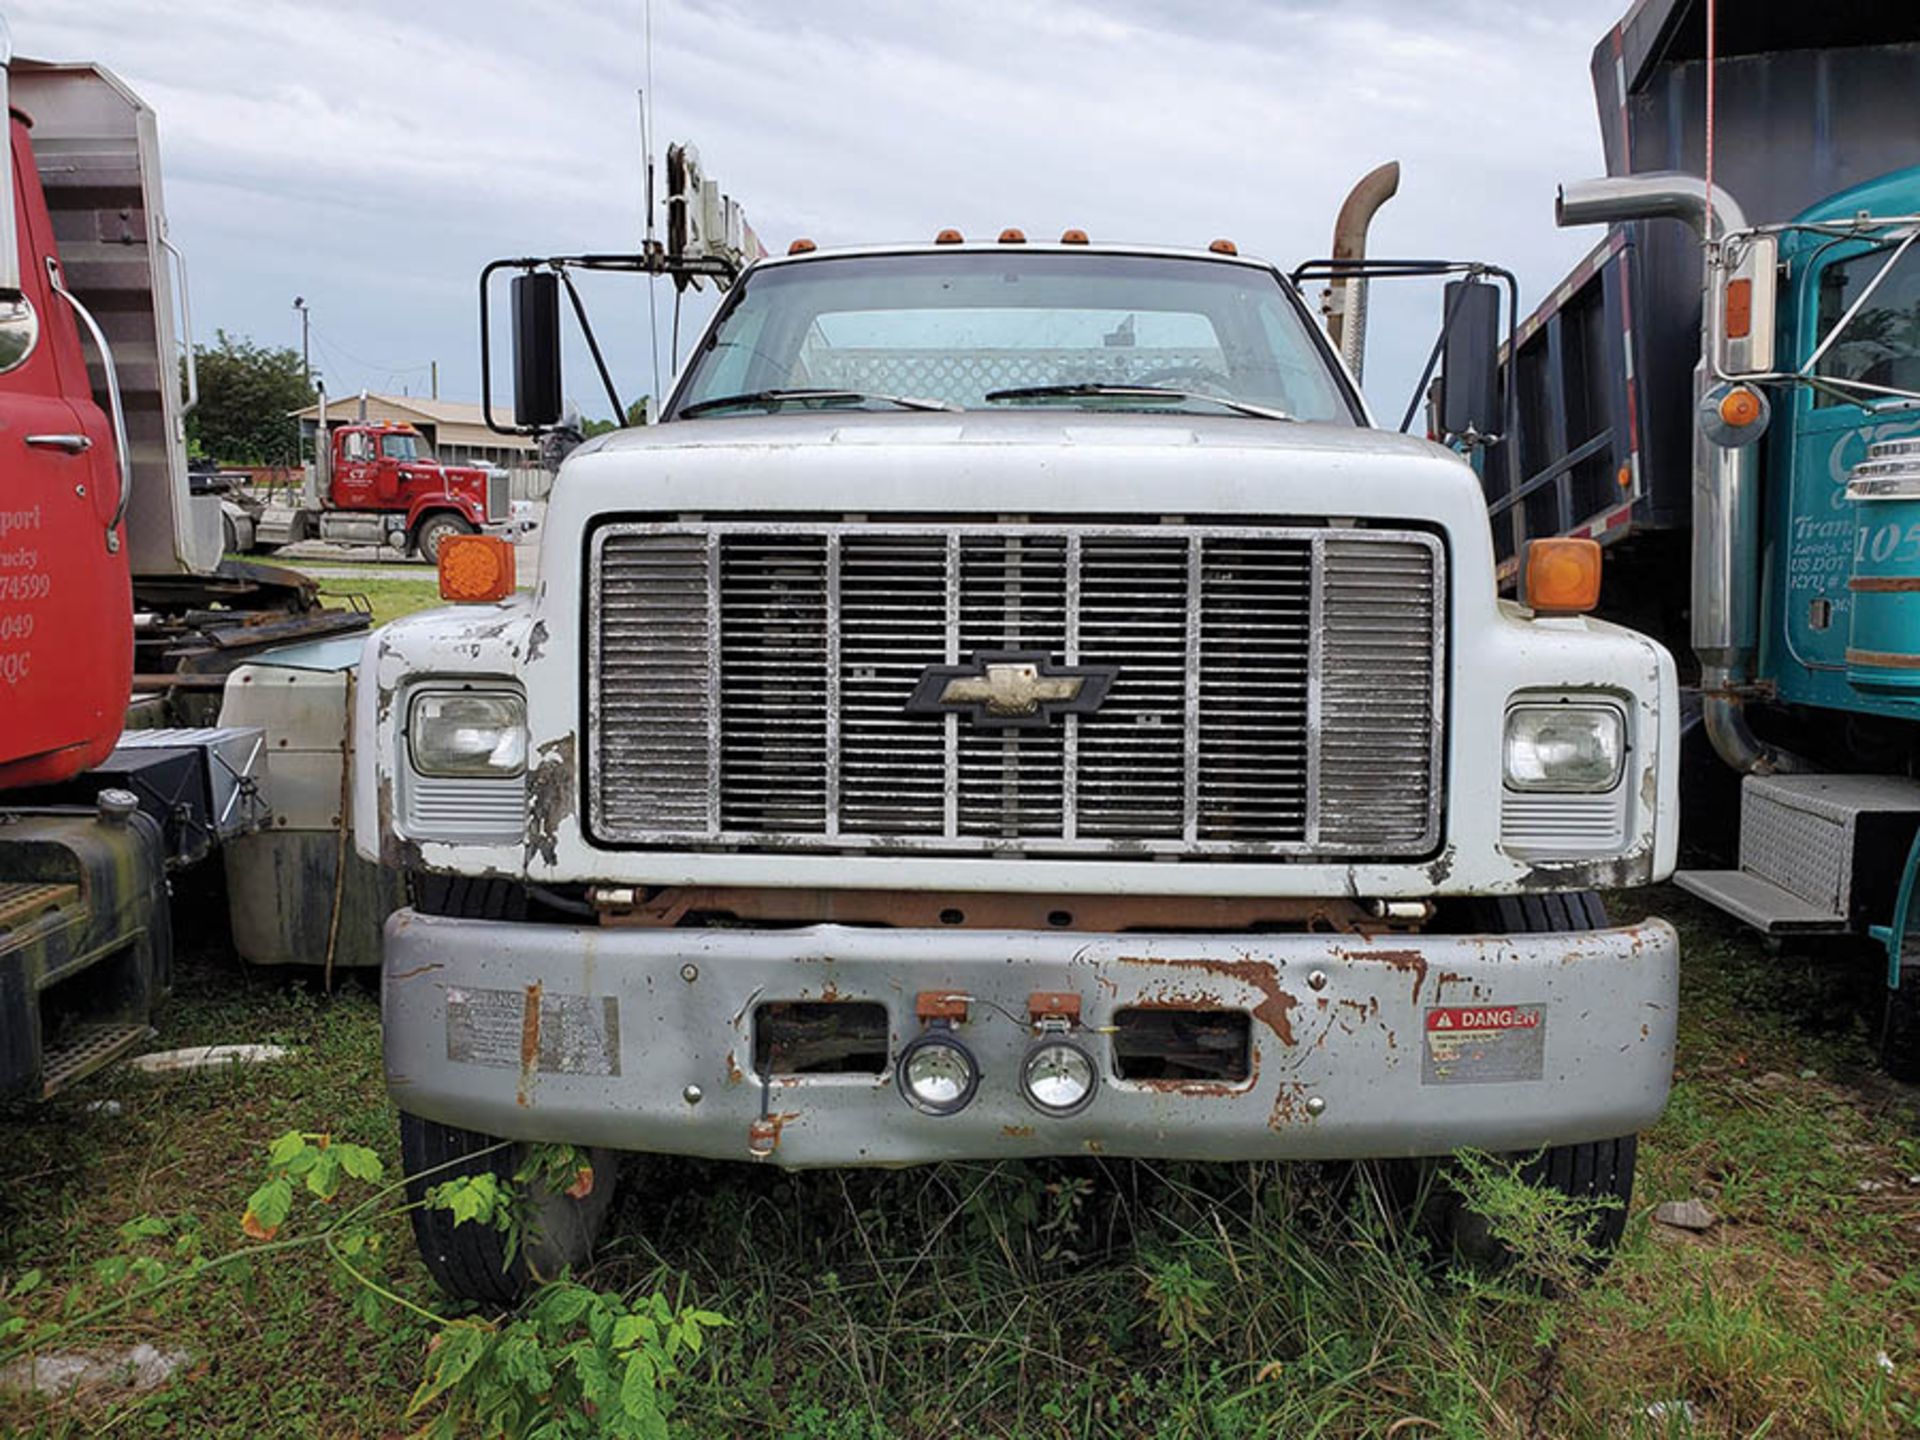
[[306, 378], [306, 365], [435, 364]]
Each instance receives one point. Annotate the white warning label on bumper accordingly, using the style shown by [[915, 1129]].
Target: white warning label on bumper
[[532, 1031], [1475, 1044]]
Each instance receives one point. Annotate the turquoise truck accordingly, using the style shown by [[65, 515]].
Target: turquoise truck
[[1725, 394]]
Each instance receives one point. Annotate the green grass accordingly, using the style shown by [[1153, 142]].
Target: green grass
[[388, 599], [1064, 1298]]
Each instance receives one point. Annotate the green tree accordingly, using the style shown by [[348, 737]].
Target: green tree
[[636, 415], [247, 396]]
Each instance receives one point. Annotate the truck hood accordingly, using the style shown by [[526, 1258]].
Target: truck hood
[[451, 473], [1059, 425], [1021, 462]]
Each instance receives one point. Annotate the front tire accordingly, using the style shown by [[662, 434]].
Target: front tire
[[434, 530], [469, 1261], [1590, 1170]]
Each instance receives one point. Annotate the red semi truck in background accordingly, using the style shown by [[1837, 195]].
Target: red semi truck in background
[[379, 484], [118, 617]]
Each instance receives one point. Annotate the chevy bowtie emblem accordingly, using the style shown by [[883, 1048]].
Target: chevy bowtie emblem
[[1011, 688]]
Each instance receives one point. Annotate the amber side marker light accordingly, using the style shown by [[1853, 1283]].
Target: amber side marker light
[[475, 568], [1739, 309], [1740, 407], [1562, 576]]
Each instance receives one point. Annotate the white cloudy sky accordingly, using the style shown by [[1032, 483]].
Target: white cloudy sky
[[373, 156]]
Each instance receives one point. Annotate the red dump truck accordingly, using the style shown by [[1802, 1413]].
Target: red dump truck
[[118, 617]]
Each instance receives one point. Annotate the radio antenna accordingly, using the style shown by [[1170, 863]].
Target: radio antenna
[[646, 111], [646, 151]]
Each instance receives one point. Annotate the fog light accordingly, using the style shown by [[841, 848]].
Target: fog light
[[1058, 1077], [938, 1074]]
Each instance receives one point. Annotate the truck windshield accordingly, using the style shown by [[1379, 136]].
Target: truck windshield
[[404, 447], [1011, 329]]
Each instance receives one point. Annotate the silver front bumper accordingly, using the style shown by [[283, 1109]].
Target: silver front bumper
[[1399, 1046]]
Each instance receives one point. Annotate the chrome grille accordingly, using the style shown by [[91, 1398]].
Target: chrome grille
[[1377, 603], [499, 498], [1277, 691]]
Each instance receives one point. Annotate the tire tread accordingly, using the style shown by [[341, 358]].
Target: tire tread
[[468, 1260], [1590, 1169]]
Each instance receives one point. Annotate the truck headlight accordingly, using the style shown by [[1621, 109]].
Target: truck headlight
[[1566, 747], [468, 734]]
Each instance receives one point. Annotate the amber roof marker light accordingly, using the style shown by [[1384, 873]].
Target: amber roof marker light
[[802, 246], [1074, 237], [949, 236], [1011, 236], [1224, 247]]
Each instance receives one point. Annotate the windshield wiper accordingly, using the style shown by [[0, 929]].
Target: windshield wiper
[[1133, 392], [771, 398]]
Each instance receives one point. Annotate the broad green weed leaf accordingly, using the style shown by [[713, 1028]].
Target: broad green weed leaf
[[282, 1151], [324, 1178], [637, 1395], [268, 1209]]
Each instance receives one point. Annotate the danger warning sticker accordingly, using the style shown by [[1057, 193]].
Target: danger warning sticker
[[1477, 1044]]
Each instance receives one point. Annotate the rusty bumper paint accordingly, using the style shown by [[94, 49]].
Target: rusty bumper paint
[[642, 1040]]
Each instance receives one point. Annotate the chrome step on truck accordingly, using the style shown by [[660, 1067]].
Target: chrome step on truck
[[1824, 857], [86, 934], [86, 951], [1819, 854]]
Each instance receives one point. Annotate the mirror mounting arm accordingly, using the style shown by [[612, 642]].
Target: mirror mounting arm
[[654, 259], [593, 347], [1385, 268]]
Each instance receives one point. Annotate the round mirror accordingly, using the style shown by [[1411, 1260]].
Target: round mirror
[[19, 333]]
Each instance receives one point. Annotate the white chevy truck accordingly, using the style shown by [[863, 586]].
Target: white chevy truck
[[1015, 703]]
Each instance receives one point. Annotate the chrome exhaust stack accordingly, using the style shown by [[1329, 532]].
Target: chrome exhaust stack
[[1726, 495], [1346, 299]]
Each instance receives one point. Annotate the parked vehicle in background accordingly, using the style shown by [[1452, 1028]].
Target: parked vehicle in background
[[1013, 704], [379, 484], [118, 617], [525, 518], [231, 488], [1758, 495]]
